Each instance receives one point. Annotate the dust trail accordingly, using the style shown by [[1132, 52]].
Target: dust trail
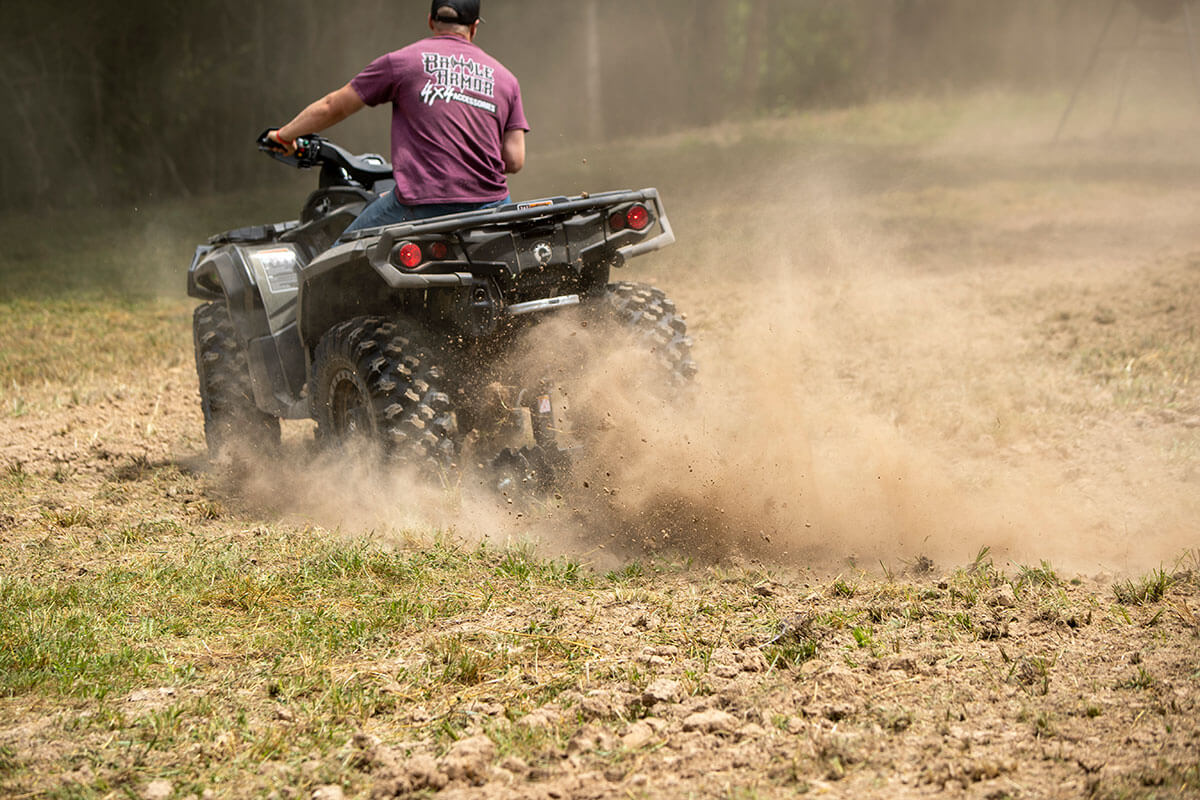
[[864, 396], [876, 383], [891, 408]]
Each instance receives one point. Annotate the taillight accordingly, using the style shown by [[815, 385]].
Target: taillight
[[409, 255], [617, 221], [439, 250], [638, 217]]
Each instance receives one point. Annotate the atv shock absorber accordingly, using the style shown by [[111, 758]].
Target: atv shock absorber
[[541, 416]]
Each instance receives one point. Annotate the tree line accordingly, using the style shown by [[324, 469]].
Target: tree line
[[118, 102]]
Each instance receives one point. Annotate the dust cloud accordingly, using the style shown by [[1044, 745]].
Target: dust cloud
[[897, 402], [878, 379], [903, 406]]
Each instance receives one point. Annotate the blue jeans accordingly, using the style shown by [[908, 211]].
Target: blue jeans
[[388, 210]]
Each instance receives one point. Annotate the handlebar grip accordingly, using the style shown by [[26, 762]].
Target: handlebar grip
[[267, 144], [306, 154]]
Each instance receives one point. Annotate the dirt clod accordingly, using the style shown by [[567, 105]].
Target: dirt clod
[[158, 790], [469, 760], [638, 736], [1003, 596], [711, 721], [662, 690]]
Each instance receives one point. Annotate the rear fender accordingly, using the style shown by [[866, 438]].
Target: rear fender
[[345, 283], [338, 285]]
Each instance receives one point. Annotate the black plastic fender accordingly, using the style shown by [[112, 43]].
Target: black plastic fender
[[263, 316], [338, 285]]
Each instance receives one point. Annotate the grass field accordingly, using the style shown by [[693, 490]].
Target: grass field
[[930, 529]]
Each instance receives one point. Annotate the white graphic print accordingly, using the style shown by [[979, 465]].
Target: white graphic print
[[451, 77]]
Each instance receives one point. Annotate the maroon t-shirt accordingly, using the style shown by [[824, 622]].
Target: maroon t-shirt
[[452, 103]]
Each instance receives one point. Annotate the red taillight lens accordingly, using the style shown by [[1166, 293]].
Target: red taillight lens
[[638, 218], [409, 255], [439, 250], [617, 221]]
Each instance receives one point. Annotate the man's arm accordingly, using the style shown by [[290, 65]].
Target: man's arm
[[325, 113], [513, 150]]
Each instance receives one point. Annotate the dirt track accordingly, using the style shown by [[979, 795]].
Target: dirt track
[[928, 353]]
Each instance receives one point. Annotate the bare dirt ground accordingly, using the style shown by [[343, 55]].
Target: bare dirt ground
[[949, 410]]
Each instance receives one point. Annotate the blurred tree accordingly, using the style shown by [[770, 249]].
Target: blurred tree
[[754, 60], [593, 70], [705, 38], [816, 54], [119, 102]]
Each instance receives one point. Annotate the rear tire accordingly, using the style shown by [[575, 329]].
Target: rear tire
[[653, 320], [231, 418], [381, 382]]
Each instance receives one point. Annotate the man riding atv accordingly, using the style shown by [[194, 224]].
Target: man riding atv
[[458, 126], [392, 310]]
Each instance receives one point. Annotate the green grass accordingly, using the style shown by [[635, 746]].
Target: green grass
[[1149, 588], [273, 645], [523, 563], [1139, 680], [792, 652], [279, 644], [75, 345], [842, 588], [14, 474], [110, 630], [1042, 576], [67, 638]]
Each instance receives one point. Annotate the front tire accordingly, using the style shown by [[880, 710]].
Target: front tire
[[380, 381], [231, 418]]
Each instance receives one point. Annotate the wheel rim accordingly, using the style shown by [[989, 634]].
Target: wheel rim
[[349, 407]]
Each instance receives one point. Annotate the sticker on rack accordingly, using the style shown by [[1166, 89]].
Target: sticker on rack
[[279, 265], [544, 404]]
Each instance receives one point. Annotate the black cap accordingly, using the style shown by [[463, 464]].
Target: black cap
[[464, 12]]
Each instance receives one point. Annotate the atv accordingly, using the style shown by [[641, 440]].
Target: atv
[[387, 336]]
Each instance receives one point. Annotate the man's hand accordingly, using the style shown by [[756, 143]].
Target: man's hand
[[287, 146]]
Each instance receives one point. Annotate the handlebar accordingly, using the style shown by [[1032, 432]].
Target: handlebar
[[308, 149]]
